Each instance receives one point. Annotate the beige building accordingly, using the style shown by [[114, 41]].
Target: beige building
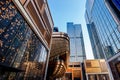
[[96, 69], [74, 72]]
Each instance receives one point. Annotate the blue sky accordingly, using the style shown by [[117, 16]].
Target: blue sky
[[64, 11]]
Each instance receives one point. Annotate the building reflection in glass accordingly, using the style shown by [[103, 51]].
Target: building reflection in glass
[[19, 45]]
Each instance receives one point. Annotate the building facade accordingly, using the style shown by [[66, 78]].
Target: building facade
[[59, 56], [25, 38], [95, 42], [73, 72], [96, 69], [77, 50], [105, 15]]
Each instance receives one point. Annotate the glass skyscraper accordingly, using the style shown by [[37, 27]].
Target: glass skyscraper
[[95, 42], [105, 14], [77, 50]]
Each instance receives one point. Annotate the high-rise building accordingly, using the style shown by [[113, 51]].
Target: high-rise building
[[77, 52], [77, 49], [25, 37], [114, 8], [105, 14], [93, 34], [95, 42]]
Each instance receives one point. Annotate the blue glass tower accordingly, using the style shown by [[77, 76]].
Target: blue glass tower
[[105, 15], [95, 42], [77, 50]]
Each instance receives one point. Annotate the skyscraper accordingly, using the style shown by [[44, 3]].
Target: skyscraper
[[94, 39], [77, 50], [105, 14]]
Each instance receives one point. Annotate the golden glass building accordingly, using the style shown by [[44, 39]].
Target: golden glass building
[[59, 56], [25, 37]]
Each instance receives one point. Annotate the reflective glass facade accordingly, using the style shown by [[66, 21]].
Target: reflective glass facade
[[59, 56], [107, 28], [94, 38], [116, 3], [77, 50], [20, 47], [114, 8], [95, 42], [106, 20]]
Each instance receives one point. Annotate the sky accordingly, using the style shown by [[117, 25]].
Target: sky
[[64, 11]]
